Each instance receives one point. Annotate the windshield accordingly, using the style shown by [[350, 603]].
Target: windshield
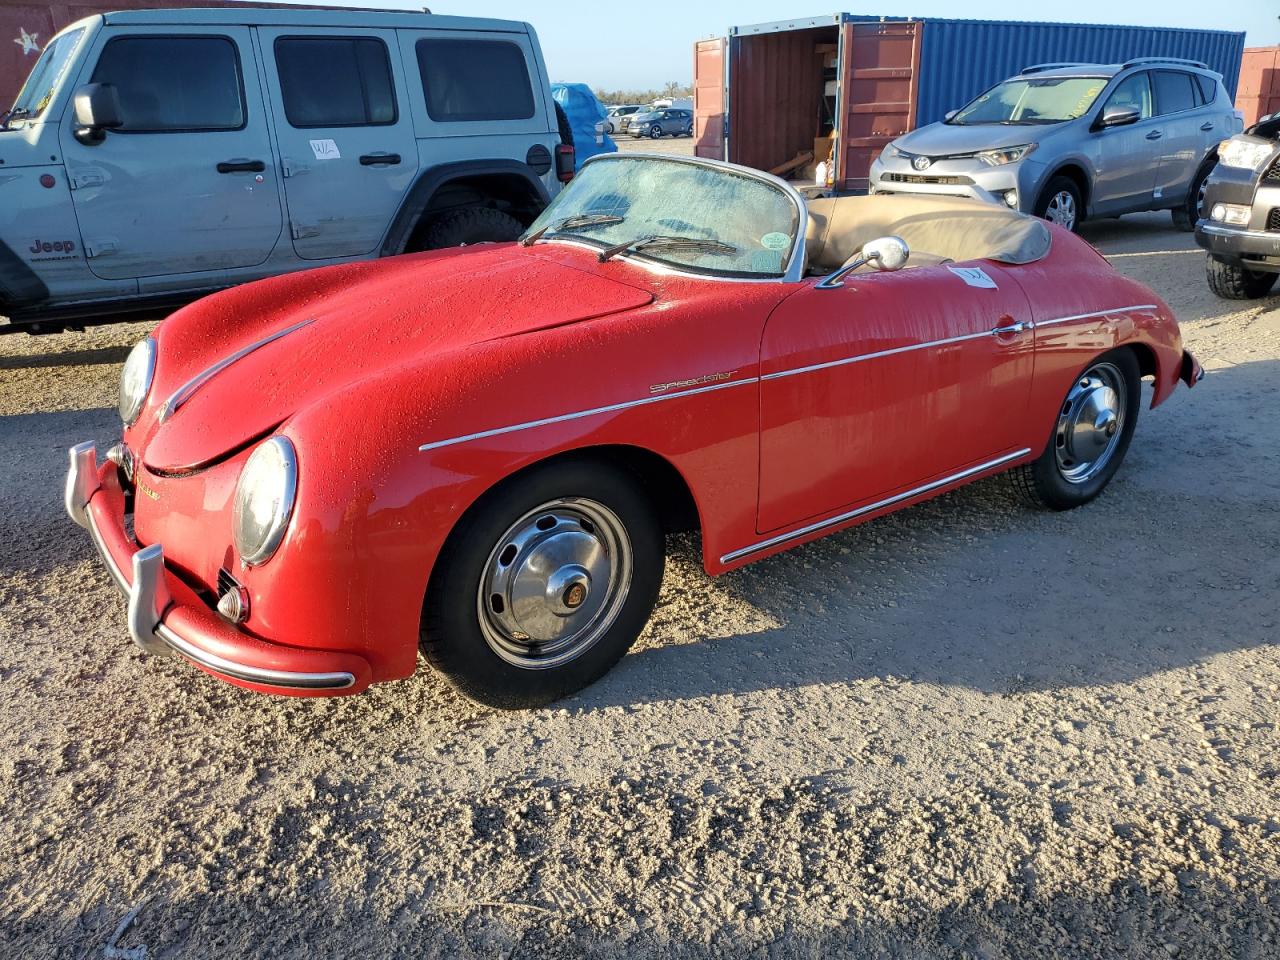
[[46, 75], [1033, 100], [702, 217]]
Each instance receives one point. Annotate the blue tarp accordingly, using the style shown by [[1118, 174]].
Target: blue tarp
[[584, 112]]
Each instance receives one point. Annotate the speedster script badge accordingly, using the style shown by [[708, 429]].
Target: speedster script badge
[[695, 382]]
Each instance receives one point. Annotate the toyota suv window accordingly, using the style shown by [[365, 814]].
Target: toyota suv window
[[1173, 92], [335, 81], [1031, 101], [45, 77], [172, 84], [466, 80]]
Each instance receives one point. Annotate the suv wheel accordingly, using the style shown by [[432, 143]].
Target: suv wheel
[[1060, 203], [1234, 281], [1186, 215], [655, 132], [469, 225]]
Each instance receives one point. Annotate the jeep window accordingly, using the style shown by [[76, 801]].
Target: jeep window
[[45, 76], [1033, 100], [466, 80], [1173, 92], [174, 84], [1133, 91], [335, 81]]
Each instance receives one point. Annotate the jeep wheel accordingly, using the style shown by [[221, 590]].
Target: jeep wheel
[[1233, 281], [1186, 215], [470, 225]]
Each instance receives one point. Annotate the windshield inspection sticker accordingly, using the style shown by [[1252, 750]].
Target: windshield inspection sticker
[[775, 241], [325, 150], [974, 277]]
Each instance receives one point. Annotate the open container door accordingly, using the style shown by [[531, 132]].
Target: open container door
[[879, 80], [708, 98]]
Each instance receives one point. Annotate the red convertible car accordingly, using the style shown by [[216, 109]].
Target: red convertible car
[[476, 452]]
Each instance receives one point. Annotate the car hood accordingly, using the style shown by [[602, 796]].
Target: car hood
[[947, 139], [259, 353]]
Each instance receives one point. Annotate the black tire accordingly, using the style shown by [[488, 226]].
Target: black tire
[[453, 639], [469, 225], [1233, 281], [1052, 189], [655, 132], [1043, 482], [1186, 215]]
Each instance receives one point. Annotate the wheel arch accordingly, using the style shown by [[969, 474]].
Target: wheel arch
[[1074, 170], [504, 183]]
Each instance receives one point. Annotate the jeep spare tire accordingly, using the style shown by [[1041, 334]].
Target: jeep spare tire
[[471, 225]]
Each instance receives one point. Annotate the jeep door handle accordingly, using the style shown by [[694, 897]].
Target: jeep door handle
[[241, 166], [379, 159], [1154, 135], [1206, 126]]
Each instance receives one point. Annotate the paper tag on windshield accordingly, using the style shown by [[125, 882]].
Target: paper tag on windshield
[[325, 150], [974, 277]]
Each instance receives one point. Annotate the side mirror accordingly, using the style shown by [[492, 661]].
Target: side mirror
[[97, 107], [884, 253], [947, 117], [1119, 116]]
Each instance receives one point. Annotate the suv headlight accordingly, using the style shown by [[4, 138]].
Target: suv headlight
[[135, 379], [1244, 154], [998, 158], [264, 500]]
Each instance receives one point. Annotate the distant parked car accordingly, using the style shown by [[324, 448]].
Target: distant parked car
[[1241, 222], [154, 156], [666, 122], [1070, 141], [615, 120]]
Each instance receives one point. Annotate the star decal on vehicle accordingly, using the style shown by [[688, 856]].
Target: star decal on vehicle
[[28, 42]]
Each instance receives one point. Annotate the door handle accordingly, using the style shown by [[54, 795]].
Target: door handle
[[241, 166], [379, 159], [1011, 329], [1154, 135], [1206, 126]]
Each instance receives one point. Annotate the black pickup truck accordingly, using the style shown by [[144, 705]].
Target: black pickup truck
[[1241, 224]]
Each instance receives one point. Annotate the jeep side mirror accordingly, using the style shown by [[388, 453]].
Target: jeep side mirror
[[1119, 116], [949, 115], [884, 253], [97, 107]]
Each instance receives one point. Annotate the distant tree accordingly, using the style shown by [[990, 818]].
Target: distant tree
[[671, 90]]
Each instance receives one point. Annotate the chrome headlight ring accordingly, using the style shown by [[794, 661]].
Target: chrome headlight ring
[[135, 379], [264, 500]]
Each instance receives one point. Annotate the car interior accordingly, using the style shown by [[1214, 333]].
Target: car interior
[[937, 230]]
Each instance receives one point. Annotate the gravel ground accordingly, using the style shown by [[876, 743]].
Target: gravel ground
[[966, 731]]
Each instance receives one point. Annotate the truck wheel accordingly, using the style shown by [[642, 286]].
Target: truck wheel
[[543, 585], [1232, 281], [1060, 203], [1186, 215], [1090, 436], [469, 225]]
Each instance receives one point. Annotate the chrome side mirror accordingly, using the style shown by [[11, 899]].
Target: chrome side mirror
[[884, 253], [1117, 116]]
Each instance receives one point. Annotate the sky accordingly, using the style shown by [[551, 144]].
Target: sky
[[617, 44]]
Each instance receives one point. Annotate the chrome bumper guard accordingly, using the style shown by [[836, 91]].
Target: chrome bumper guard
[[149, 597]]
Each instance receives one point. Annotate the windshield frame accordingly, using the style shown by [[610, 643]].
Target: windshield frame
[[792, 273], [68, 34], [1024, 79]]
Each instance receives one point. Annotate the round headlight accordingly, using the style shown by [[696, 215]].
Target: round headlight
[[135, 380], [264, 500]]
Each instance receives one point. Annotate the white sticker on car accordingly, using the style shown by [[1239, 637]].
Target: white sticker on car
[[974, 277], [325, 150], [775, 241]]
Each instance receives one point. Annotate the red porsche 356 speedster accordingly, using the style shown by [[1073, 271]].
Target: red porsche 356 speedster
[[476, 452]]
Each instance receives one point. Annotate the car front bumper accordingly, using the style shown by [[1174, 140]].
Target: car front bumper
[[1234, 244], [167, 617], [960, 178]]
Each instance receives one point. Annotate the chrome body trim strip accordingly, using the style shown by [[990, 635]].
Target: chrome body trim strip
[[844, 361], [1096, 313], [149, 599], [192, 386], [611, 408], [871, 507]]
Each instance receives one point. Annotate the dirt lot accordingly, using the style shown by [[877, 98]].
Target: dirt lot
[[966, 731]]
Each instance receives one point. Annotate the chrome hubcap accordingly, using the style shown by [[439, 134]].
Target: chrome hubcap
[[1061, 209], [554, 583], [1090, 423]]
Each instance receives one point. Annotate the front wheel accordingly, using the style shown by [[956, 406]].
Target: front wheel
[[1234, 281], [1060, 203], [544, 585], [469, 225], [1090, 436], [655, 132]]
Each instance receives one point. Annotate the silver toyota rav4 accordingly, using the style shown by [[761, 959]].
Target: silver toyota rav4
[[1067, 141]]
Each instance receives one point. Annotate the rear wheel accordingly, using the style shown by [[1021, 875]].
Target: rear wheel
[[470, 225], [1060, 203], [1233, 281], [544, 585], [1090, 437], [1186, 215]]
